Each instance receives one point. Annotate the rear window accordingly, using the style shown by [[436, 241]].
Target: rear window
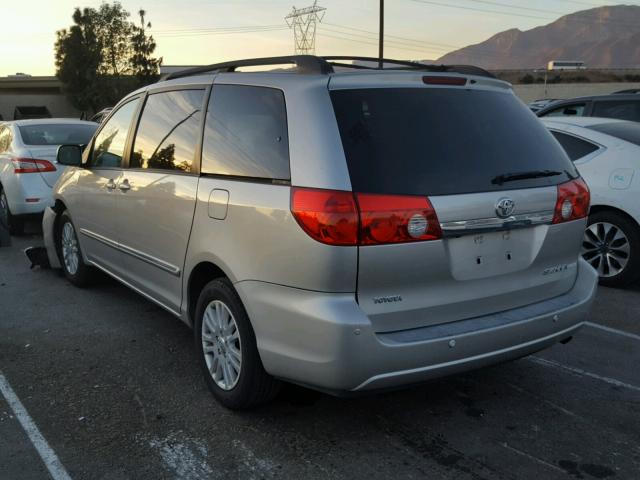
[[621, 109], [575, 147], [430, 141], [627, 131], [56, 134], [573, 110]]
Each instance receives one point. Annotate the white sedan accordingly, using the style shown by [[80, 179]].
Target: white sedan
[[28, 167], [607, 154]]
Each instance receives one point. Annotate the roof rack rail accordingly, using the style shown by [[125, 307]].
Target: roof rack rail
[[311, 64], [408, 65], [306, 64], [376, 60]]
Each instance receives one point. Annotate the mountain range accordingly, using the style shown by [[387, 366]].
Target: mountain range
[[602, 37]]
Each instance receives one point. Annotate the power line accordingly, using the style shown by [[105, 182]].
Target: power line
[[462, 7], [179, 30], [522, 15], [424, 47], [403, 45], [429, 46], [374, 43], [218, 32], [406, 39], [530, 9], [490, 55]]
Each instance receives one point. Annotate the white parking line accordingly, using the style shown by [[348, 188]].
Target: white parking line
[[613, 330], [583, 373], [48, 456]]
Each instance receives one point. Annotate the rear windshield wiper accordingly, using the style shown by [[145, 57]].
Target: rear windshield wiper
[[510, 177]]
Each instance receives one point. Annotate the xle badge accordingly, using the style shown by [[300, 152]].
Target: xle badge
[[556, 269]]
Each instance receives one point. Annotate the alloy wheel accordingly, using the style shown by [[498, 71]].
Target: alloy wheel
[[221, 345], [606, 248], [70, 250], [4, 210]]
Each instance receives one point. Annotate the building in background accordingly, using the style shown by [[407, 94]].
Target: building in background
[[24, 96]]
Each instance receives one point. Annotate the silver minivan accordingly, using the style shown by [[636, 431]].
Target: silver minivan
[[341, 227]]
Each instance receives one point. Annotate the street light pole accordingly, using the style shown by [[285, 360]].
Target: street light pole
[[381, 36]]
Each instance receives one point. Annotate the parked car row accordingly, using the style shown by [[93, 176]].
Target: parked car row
[[335, 230], [621, 105], [539, 104], [28, 166], [607, 154]]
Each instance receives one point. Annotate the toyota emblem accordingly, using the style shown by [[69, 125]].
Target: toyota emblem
[[505, 207]]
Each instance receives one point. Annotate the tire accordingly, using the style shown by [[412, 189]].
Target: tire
[[237, 388], [77, 272], [612, 246], [14, 224]]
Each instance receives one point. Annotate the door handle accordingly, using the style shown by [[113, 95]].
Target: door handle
[[110, 184], [124, 185]]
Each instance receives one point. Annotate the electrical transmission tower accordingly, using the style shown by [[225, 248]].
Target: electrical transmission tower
[[303, 22]]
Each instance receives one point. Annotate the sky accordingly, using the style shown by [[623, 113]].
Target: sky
[[195, 32]]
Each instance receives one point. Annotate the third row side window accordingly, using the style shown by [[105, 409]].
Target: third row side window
[[246, 133]]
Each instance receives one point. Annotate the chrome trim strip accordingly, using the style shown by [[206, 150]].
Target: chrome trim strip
[[137, 290], [156, 262], [479, 225], [100, 238]]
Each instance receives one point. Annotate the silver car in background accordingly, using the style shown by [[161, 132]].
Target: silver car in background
[[348, 231], [28, 166]]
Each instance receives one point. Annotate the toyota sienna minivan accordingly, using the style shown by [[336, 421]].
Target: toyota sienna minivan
[[340, 227]]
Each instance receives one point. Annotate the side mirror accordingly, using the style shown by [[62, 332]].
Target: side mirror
[[70, 155]]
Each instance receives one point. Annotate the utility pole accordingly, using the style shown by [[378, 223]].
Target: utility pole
[[381, 36], [303, 22]]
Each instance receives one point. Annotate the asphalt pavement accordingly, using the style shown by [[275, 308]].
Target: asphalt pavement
[[111, 383]]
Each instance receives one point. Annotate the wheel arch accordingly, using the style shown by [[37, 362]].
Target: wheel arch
[[631, 271], [200, 275], [59, 208], [609, 208]]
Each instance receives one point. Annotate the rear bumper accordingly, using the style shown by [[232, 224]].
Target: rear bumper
[[326, 341], [19, 188]]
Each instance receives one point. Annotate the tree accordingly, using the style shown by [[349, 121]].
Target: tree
[[528, 78], [78, 57], [145, 68], [114, 34], [103, 56]]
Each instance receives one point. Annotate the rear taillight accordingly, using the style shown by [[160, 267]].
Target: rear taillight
[[32, 165], [326, 215], [344, 218], [396, 219], [573, 201]]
